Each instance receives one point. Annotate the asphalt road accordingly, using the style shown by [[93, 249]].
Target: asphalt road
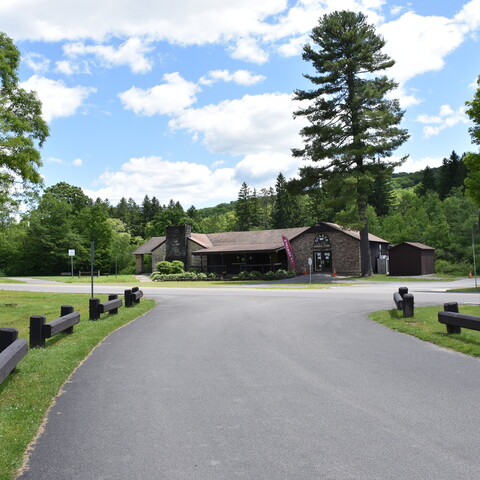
[[266, 384]]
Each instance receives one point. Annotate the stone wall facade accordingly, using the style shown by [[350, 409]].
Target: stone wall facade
[[195, 260], [345, 252], [158, 255]]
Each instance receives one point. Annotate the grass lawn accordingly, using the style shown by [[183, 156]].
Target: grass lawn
[[110, 279], [465, 290], [425, 326], [423, 278], [9, 280], [27, 393]]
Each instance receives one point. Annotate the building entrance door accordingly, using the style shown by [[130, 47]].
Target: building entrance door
[[323, 261]]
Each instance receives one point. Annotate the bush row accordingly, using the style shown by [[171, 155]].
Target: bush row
[[255, 275], [182, 277]]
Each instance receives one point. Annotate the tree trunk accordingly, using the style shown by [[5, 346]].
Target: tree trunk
[[365, 256]]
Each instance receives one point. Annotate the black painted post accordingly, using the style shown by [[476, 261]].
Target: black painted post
[[7, 336], [135, 299], [128, 298], [452, 307], [65, 310], [408, 308], [36, 331], [403, 291], [93, 308], [113, 297]]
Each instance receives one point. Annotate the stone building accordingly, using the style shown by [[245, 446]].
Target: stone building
[[331, 248]]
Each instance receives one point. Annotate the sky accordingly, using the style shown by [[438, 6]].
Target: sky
[[186, 100]]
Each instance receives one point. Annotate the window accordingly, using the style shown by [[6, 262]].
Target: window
[[321, 241]]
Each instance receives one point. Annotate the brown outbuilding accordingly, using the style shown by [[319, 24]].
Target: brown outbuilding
[[411, 258]]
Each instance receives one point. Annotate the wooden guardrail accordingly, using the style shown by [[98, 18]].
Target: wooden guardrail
[[455, 321], [404, 301], [12, 350], [132, 296], [40, 330], [96, 308]]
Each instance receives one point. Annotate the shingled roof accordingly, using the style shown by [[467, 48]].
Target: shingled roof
[[251, 241], [149, 246]]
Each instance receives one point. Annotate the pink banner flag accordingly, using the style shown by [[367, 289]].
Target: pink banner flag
[[289, 251]]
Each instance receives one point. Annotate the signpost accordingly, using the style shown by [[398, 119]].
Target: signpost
[[92, 249], [310, 266], [71, 254]]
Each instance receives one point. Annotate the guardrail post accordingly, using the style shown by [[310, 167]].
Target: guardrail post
[[36, 331], [65, 310], [408, 307], [93, 308], [136, 289], [452, 307], [403, 291], [128, 298], [113, 296], [7, 336]]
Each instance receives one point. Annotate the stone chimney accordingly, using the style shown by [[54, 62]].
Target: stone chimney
[[177, 244]]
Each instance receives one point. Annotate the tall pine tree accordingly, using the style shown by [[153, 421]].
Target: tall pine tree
[[353, 127]]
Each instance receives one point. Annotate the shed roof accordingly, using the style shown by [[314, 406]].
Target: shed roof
[[420, 246]]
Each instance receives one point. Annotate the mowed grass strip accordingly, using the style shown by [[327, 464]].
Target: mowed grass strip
[[425, 326], [104, 279], [27, 393]]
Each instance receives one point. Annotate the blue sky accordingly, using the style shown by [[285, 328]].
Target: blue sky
[[188, 99]]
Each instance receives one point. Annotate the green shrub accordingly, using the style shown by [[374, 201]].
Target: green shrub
[[163, 267], [449, 268], [177, 267]]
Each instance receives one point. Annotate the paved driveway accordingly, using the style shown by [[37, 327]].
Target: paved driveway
[[266, 384]]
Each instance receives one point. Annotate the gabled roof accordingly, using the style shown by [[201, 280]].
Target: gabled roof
[[149, 246], [251, 241], [353, 233], [420, 246]]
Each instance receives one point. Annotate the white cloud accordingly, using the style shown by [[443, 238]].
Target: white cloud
[[188, 183], [252, 124], [240, 77], [55, 160], [168, 98], [77, 162], [419, 44], [58, 100], [131, 53], [412, 165], [37, 62], [446, 118], [248, 49], [187, 23], [261, 169]]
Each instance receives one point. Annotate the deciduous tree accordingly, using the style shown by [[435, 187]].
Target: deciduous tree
[[22, 128]]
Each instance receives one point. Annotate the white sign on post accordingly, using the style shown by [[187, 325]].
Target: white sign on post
[[71, 253], [310, 265]]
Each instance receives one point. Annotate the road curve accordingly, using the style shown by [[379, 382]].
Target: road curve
[[266, 384]]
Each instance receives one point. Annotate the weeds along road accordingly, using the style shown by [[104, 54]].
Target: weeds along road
[[265, 384]]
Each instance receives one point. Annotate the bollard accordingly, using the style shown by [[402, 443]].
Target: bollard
[[408, 307], [113, 296], [452, 307], [93, 308], [403, 291], [7, 336], [128, 298], [36, 331], [65, 310]]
